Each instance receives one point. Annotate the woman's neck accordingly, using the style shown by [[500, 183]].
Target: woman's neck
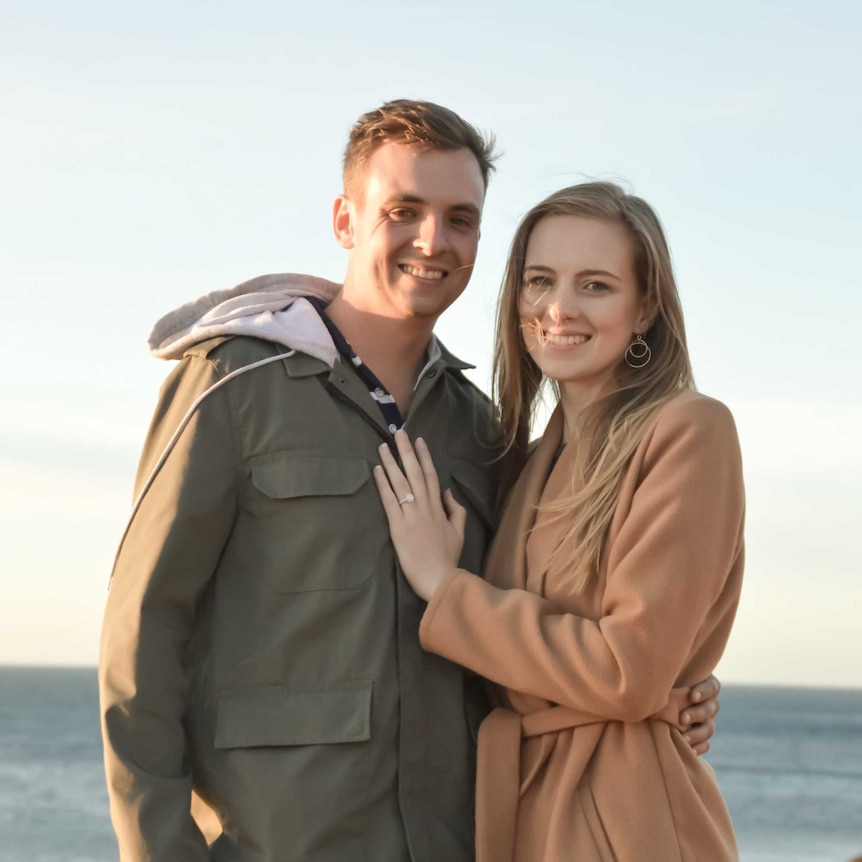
[[573, 405]]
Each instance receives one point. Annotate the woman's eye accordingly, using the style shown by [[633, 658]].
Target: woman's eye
[[537, 282], [595, 286]]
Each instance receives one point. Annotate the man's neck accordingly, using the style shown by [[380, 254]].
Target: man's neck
[[395, 350]]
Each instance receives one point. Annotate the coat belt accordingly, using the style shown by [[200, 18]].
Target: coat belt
[[498, 783]]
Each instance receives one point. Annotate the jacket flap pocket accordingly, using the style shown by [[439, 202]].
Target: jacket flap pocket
[[477, 487], [307, 715], [309, 474]]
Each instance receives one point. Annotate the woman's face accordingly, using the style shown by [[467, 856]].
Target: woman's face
[[580, 303]]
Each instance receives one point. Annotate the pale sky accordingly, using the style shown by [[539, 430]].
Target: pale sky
[[152, 152]]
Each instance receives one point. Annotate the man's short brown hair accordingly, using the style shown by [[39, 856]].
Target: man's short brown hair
[[405, 121]]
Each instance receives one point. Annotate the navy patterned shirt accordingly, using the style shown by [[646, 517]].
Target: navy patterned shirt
[[386, 403]]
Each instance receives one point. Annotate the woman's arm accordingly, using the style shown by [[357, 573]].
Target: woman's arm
[[675, 562]]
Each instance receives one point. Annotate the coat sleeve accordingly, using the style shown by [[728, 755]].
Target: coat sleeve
[[166, 560], [668, 566]]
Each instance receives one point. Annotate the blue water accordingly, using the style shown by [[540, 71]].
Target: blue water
[[789, 762], [53, 802]]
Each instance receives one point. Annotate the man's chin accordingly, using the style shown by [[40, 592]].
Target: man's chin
[[415, 306]]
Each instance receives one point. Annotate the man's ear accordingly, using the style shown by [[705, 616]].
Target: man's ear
[[342, 221]]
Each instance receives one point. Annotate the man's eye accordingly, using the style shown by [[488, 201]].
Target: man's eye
[[460, 221], [401, 214]]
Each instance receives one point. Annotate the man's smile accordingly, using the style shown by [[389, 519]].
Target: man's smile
[[421, 272]]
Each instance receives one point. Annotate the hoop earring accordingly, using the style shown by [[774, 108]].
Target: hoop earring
[[638, 354]]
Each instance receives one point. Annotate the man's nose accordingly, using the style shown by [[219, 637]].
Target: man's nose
[[433, 237]]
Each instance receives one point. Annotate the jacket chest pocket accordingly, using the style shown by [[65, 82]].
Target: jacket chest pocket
[[314, 520]]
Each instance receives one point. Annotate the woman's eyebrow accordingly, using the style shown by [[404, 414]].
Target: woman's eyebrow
[[604, 272]]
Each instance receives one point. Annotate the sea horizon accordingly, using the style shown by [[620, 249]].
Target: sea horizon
[[19, 665]]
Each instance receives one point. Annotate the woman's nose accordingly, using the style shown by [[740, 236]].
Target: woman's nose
[[562, 304], [559, 311]]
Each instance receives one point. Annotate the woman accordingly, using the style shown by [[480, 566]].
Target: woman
[[617, 567]]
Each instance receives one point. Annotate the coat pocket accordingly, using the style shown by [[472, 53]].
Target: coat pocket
[[314, 519], [289, 475], [291, 767], [318, 714]]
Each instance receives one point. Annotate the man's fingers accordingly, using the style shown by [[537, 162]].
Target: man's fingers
[[700, 733], [707, 690], [701, 713]]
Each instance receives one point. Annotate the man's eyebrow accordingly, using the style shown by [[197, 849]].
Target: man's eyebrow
[[467, 208]]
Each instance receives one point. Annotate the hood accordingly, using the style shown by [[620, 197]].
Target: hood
[[271, 307]]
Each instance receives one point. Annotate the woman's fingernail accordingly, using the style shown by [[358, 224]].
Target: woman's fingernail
[[696, 696], [686, 718]]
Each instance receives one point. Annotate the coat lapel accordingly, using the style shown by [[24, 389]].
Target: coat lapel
[[548, 528], [508, 564]]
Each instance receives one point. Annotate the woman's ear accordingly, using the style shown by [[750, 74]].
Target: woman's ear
[[648, 311], [342, 221]]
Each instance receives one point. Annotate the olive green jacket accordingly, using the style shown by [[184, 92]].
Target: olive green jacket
[[260, 644]]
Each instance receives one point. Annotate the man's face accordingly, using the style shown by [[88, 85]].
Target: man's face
[[412, 228]]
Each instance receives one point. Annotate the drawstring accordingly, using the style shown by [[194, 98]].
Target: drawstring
[[176, 436]]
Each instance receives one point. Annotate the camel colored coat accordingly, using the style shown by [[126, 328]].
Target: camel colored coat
[[581, 762]]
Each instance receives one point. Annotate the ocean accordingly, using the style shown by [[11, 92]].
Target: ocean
[[789, 762]]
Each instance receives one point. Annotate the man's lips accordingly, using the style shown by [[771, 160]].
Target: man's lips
[[427, 273]]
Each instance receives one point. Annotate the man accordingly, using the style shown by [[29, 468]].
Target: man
[[260, 645]]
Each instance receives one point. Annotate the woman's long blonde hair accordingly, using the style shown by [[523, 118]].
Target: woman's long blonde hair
[[615, 424]]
